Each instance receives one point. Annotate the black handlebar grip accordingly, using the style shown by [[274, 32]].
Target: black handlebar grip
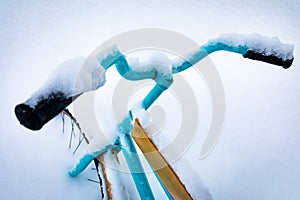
[[45, 110], [272, 59]]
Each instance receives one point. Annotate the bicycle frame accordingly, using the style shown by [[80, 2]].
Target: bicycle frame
[[35, 118]]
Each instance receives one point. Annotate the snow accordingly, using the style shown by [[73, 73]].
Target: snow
[[258, 43], [105, 52], [158, 61], [257, 156], [187, 175], [118, 184], [181, 166], [178, 61], [71, 78], [144, 116], [191, 180]]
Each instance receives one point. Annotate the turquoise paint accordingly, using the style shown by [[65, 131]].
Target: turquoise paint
[[81, 165], [84, 161], [162, 185], [204, 51], [163, 82], [132, 158], [135, 166], [153, 95]]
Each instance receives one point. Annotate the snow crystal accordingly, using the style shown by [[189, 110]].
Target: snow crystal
[[71, 78], [258, 43]]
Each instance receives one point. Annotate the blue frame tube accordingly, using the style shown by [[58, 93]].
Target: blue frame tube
[[163, 83], [153, 95], [136, 168], [204, 51]]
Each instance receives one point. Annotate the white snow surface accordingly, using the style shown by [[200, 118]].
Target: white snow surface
[[181, 166], [71, 78], [183, 169], [191, 180], [258, 154], [258, 43]]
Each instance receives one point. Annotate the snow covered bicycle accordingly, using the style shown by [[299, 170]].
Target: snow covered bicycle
[[52, 99]]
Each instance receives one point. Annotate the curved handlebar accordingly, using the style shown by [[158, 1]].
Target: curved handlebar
[[48, 108]]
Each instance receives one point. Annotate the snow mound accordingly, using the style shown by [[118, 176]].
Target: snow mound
[[157, 61], [71, 78]]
